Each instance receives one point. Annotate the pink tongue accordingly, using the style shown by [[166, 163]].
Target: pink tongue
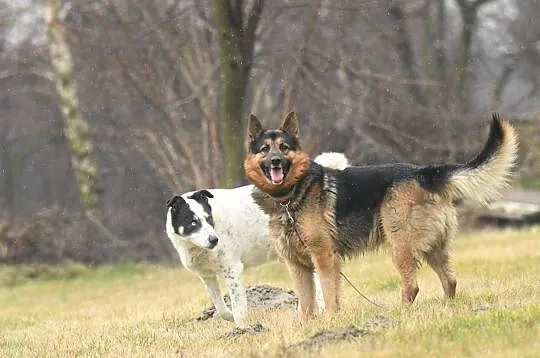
[[276, 174]]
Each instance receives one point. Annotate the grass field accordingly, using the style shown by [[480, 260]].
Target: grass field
[[141, 310]]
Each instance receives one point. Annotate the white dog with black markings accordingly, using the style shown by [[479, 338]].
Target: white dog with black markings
[[222, 232]]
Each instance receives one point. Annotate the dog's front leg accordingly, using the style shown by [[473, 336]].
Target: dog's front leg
[[319, 298], [303, 284], [234, 279], [212, 286], [328, 266]]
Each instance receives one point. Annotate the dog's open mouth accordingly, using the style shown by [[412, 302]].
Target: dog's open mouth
[[276, 173]]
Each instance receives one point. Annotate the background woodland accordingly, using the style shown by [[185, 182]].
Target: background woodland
[[108, 107]]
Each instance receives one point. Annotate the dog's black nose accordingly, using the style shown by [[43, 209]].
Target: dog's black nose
[[275, 160], [213, 240]]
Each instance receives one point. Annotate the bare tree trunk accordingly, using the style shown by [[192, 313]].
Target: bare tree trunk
[[405, 50], [462, 62], [469, 13], [288, 92], [441, 39], [236, 42], [500, 85], [7, 182], [75, 125], [427, 40]]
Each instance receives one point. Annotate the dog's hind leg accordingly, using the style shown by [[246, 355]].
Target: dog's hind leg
[[407, 265], [304, 287], [234, 279], [212, 285], [401, 220], [439, 260]]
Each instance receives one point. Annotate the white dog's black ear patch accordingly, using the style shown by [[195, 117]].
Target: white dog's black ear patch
[[172, 201], [201, 197], [206, 193], [183, 219], [201, 194]]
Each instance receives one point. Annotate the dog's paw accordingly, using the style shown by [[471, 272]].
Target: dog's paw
[[227, 315]]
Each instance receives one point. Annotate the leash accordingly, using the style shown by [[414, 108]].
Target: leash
[[297, 231]]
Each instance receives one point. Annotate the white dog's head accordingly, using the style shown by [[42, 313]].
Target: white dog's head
[[190, 219]]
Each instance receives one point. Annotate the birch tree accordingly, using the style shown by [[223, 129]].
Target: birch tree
[[75, 126]]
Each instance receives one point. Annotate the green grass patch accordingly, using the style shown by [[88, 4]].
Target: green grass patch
[[143, 310], [16, 275]]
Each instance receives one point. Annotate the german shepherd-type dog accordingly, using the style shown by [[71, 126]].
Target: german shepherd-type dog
[[319, 216]]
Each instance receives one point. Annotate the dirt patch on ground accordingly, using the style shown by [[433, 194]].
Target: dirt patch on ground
[[259, 297], [237, 332], [269, 297], [348, 333]]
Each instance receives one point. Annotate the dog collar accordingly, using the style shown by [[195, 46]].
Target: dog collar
[[286, 198]]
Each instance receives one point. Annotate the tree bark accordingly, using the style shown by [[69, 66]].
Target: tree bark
[[405, 51], [75, 126], [7, 182], [441, 42], [469, 16], [236, 42]]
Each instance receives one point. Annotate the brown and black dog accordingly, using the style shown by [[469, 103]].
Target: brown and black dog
[[341, 213]]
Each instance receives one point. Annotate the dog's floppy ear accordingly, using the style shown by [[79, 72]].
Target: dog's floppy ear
[[291, 124], [201, 194], [173, 200], [254, 128], [206, 193]]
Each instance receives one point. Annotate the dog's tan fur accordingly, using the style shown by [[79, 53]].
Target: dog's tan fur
[[416, 223], [299, 171], [485, 183]]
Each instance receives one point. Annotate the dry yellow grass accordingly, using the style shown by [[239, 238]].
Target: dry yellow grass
[[140, 310]]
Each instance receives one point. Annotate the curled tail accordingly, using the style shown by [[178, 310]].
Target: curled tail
[[482, 179]]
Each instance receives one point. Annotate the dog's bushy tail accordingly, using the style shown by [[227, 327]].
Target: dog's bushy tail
[[332, 160], [483, 178]]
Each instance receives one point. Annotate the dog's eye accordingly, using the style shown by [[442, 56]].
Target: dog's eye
[[284, 147], [173, 210], [194, 223], [264, 149]]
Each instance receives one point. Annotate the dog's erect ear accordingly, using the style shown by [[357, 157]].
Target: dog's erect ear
[[173, 200], [201, 194], [291, 125], [254, 128]]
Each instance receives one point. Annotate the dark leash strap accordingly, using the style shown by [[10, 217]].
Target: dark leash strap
[[300, 237]]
